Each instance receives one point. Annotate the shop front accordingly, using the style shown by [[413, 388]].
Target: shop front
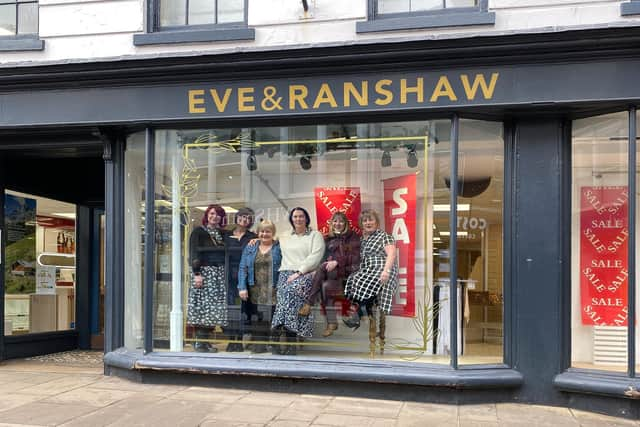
[[242, 212]]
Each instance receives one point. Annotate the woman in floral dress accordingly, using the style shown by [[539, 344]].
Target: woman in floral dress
[[302, 252], [207, 301]]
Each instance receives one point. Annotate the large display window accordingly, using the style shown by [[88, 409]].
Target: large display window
[[600, 229], [321, 240]]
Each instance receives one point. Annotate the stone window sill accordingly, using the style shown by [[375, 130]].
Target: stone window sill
[[426, 21], [193, 36]]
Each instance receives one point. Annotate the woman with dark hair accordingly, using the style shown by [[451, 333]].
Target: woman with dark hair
[[377, 279], [341, 258], [302, 252], [207, 301], [235, 241]]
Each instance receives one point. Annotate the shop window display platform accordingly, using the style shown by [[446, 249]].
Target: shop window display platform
[[307, 367]]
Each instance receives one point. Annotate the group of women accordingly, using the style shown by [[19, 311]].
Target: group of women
[[279, 280]]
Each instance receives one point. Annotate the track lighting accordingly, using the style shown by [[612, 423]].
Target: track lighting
[[385, 161], [252, 163], [412, 158], [305, 162]]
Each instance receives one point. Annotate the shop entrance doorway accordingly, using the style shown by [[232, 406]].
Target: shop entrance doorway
[[51, 225]]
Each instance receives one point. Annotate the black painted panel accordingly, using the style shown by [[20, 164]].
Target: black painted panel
[[83, 275], [38, 344], [537, 267]]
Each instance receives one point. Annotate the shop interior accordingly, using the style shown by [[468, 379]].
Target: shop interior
[[46, 185]]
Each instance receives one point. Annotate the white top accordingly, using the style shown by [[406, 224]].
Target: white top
[[302, 253]]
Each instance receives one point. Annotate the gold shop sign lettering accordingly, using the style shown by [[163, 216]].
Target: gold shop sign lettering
[[343, 95]]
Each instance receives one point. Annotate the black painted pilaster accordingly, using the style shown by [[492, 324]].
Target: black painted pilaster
[[538, 249], [114, 214], [83, 275]]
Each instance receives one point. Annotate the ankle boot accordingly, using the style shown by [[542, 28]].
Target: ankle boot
[[292, 344], [276, 347]]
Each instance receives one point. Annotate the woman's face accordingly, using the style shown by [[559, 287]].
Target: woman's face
[[266, 235], [213, 219], [369, 224], [243, 221], [299, 220], [338, 224]]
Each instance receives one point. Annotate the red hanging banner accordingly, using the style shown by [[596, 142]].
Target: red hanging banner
[[337, 199], [604, 270], [400, 222]]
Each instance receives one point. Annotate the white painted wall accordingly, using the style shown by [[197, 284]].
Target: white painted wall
[[88, 30]]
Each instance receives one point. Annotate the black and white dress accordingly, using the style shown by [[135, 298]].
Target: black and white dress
[[207, 306], [365, 283]]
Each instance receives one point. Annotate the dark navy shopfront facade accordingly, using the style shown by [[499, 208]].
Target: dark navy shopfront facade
[[536, 87]]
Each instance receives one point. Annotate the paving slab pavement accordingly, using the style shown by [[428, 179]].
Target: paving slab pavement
[[36, 393]]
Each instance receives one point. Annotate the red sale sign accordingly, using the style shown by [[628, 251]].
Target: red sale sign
[[604, 235], [400, 222], [337, 199]]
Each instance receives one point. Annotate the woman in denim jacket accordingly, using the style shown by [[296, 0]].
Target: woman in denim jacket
[[257, 278]]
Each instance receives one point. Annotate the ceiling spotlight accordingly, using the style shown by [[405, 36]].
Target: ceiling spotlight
[[252, 163], [412, 158], [305, 162], [385, 161]]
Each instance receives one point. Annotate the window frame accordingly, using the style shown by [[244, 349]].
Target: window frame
[[445, 17], [589, 381], [632, 7], [17, 41], [201, 33]]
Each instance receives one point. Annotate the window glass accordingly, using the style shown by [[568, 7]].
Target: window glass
[[133, 244], [599, 230], [202, 12], [215, 292], [172, 13], [28, 18], [7, 19], [479, 241], [230, 11], [399, 6], [39, 264]]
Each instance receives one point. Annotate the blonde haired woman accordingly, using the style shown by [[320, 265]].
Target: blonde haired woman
[[257, 278]]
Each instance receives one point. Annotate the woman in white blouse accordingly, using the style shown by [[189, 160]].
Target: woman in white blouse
[[302, 253]]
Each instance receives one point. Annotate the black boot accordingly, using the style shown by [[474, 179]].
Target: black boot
[[276, 348], [353, 321], [292, 344], [199, 345]]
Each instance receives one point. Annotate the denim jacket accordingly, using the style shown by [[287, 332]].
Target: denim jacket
[[246, 273]]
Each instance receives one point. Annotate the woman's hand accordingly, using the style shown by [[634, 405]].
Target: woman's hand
[[199, 281], [253, 242], [331, 265], [384, 276], [244, 295], [294, 276]]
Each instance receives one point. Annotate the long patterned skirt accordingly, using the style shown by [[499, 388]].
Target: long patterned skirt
[[290, 298], [207, 306]]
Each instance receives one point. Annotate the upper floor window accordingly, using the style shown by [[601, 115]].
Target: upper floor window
[[19, 25], [390, 15], [18, 17], [399, 6], [195, 21], [201, 12]]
